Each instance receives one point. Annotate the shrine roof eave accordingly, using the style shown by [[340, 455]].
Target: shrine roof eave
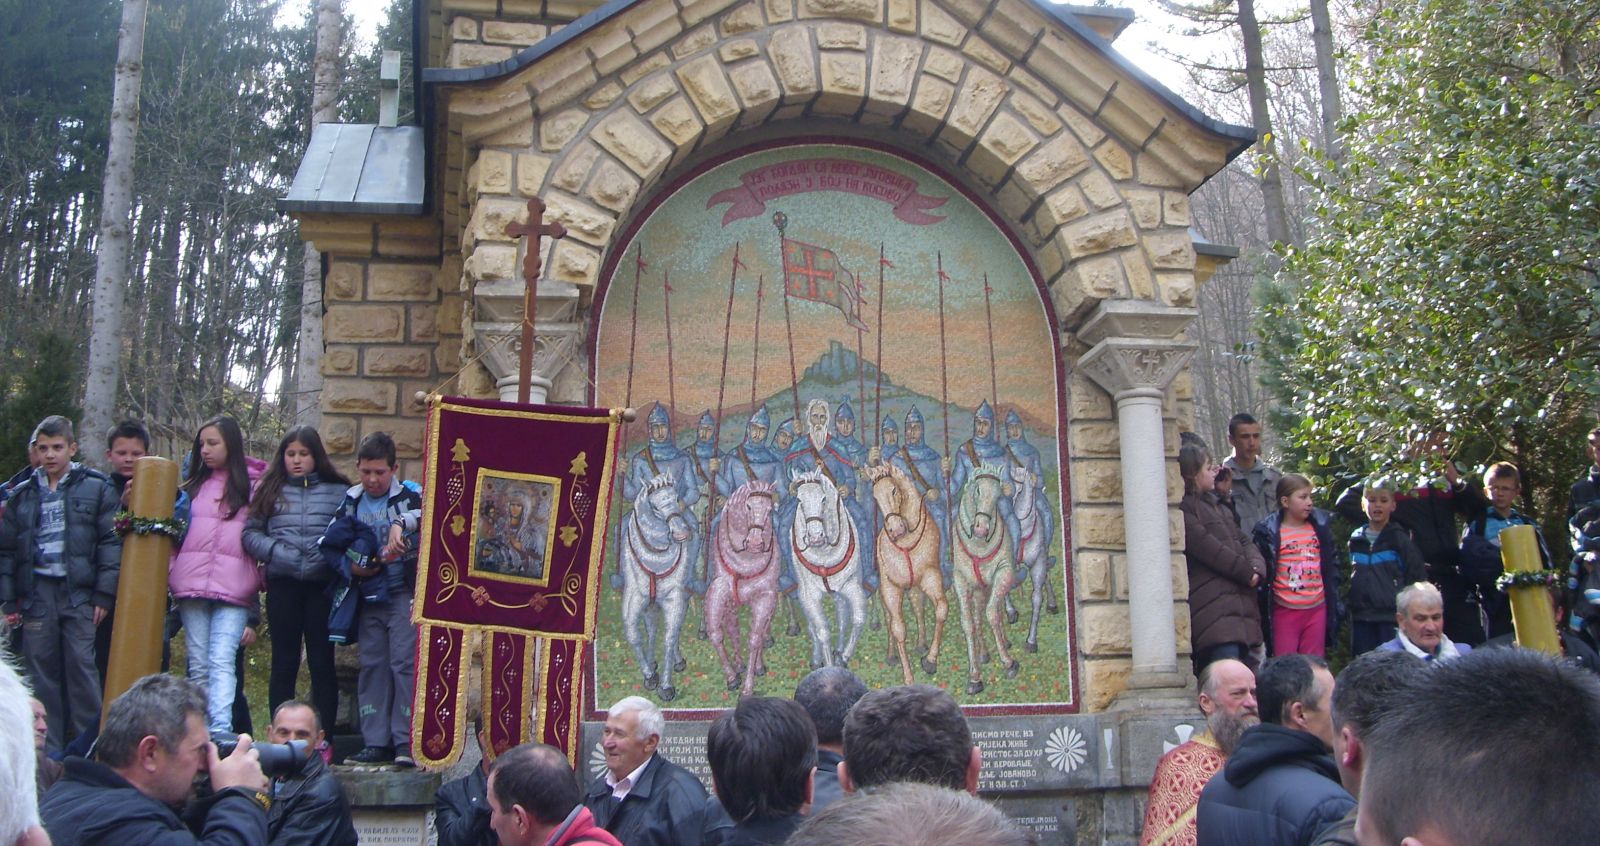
[[1243, 137], [360, 169]]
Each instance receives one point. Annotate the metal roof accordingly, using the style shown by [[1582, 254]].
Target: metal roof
[[360, 169]]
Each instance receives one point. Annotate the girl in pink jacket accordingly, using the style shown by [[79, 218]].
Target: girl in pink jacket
[[212, 579]]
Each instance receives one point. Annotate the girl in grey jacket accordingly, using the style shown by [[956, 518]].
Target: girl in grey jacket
[[292, 506]]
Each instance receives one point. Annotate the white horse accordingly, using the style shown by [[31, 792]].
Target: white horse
[[1031, 551], [658, 546], [982, 564], [827, 557]]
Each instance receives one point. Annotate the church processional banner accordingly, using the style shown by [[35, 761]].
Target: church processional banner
[[515, 500], [851, 409]]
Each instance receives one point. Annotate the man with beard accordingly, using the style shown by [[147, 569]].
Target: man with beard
[[820, 451], [1228, 701], [1366, 687], [978, 450], [926, 469], [1280, 786]]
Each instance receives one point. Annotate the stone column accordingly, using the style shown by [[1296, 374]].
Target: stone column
[[1135, 358]]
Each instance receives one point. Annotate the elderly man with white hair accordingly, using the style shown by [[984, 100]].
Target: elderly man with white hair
[[1419, 610], [643, 798], [19, 802]]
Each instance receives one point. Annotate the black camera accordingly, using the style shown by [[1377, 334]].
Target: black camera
[[277, 759]]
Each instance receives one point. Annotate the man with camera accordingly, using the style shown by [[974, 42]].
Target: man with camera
[[309, 807], [153, 743]]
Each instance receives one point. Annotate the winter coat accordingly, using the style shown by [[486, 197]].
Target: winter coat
[[1379, 568], [1222, 602], [286, 542], [212, 563], [1279, 788], [1252, 505], [404, 508], [579, 829], [347, 542], [1266, 540], [93, 806], [1584, 491], [663, 809], [92, 549], [310, 808], [1429, 514], [461, 811]]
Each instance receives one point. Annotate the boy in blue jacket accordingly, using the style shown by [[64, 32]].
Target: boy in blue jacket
[[1382, 561], [388, 639]]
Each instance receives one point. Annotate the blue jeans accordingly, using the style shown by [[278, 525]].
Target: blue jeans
[[212, 630]]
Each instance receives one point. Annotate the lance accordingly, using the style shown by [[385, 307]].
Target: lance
[[878, 361], [994, 389], [633, 338], [727, 330], [755, 349], [781, 221], [672, 391], [944, 384]]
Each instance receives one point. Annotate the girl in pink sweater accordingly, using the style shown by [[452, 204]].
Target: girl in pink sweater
[[212, 579]]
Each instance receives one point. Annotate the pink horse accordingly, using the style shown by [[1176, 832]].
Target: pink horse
[[746, 562]]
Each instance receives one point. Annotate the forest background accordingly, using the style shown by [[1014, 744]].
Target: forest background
[[1419, 223]]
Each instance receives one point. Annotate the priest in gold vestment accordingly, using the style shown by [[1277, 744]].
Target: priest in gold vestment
[[1228, 701]]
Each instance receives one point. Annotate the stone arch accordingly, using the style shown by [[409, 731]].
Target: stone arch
[[1092, 172]]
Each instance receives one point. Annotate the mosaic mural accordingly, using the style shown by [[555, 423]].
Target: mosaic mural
[[847, 453]]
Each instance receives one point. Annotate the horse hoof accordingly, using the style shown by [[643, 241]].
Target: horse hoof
[[1006, 643], [1031, 646], [702, 635], [923, 649], [974, 688], [1013, 669], [874, 624], [929, 667], [771, 641], [793, 630], [761, 670], [679, 665], [733, 682], [669, 693], [1052, 607], [651, 681], [1012, 616], [984, 658]]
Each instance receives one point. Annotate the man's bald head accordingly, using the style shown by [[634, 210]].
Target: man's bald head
[[1228, 699]]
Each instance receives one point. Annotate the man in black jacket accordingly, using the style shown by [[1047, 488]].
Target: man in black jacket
[[461, 807], [827, 695], [642, 798], [60, 556], [1280, 787], [309, 807], [153, 743]]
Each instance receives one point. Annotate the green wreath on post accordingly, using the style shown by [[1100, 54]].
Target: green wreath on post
[[1530, 578], [172, 527]]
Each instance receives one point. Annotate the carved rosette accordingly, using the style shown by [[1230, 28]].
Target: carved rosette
[[1124, 365]]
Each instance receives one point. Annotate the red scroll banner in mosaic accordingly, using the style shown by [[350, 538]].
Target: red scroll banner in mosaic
[[514, 508]]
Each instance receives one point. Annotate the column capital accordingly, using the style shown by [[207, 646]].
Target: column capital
[[1134, 366], [558, 333]]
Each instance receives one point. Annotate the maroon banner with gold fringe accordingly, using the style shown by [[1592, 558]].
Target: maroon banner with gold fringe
[[514, 508]]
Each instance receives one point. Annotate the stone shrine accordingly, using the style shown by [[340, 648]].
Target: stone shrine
[[972, 207]]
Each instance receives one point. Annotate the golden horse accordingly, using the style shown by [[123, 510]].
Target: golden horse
[[908, 557]]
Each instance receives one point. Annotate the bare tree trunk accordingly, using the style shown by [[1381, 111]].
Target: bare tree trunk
[[111, 258], [1255, 71], [1327, 79], [324, 98]]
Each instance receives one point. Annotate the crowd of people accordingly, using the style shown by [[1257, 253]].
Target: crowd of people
[[335, 561], [1267, 576], [1430, 735]]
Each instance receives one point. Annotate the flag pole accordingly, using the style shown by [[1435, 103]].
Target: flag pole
[[878, 361], [727, 330], [994, 384], [755, 347], [672, 391], [944, 388], [781, 221], [633, 340]]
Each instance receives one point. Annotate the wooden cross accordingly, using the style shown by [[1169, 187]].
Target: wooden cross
[[534, 229]]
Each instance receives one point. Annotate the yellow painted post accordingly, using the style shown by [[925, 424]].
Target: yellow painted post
[[137, 630], [1530, 604]]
